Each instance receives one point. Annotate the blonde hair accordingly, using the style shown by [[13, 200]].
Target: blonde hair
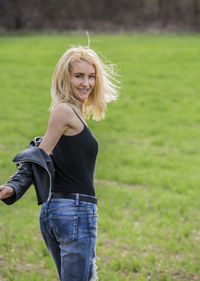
[[105, 89]]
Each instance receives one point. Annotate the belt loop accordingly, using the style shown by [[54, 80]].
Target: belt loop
[[77, 199]]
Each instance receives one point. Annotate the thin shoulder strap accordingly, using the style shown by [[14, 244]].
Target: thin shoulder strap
[[77, 114]]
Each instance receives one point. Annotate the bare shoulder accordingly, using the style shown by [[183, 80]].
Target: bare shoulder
[[61, 114], [62, 108]]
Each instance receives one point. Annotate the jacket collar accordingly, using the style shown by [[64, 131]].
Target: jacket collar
[[33, 154]]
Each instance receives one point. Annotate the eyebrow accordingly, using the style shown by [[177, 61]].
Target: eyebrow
[[84, 73]]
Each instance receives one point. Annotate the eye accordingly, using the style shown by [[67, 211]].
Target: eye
[[92, 76], [79, 75]]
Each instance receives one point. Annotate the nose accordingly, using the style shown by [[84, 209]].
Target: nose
[[85, 82]]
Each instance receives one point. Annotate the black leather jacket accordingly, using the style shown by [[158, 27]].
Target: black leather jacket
[[34, 167]]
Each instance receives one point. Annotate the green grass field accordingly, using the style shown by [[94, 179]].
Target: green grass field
[[148, 167]]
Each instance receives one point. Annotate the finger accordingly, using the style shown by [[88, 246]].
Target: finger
[[2, 194], [2, 187], [6, 192]]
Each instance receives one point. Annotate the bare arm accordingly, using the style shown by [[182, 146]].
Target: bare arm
[[59, 122]]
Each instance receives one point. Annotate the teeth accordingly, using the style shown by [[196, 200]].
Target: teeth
[[83, 90]]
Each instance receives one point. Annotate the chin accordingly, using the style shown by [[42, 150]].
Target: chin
[[83, 97]]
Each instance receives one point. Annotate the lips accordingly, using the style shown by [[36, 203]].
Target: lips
[[83, 90]]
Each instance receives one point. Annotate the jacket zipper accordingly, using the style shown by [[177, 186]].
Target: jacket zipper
[[24, 161]]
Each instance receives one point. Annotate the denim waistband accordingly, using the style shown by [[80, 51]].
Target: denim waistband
[[75, 196]]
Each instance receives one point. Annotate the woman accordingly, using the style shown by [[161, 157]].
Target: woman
[[81, 86]]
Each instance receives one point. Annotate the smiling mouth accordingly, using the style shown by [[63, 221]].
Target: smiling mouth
[[84, 90]]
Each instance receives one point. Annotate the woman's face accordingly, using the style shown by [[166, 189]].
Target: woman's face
[[82, 79]]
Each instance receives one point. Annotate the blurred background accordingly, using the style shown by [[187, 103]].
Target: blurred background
[[102, 15], [147, 176]]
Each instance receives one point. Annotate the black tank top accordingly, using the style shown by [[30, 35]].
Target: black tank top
[[74, 159]]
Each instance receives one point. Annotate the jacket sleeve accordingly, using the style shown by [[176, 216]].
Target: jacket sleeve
[[20, 182]]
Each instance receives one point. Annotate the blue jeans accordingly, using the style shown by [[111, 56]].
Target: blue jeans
[[69, 229]]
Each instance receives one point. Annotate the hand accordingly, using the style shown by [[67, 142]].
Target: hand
[[6, 191]]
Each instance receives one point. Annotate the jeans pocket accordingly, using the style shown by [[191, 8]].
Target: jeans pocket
[[65, 228]]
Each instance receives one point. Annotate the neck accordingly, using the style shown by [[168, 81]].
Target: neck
[[77, 103], [80, 106]]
